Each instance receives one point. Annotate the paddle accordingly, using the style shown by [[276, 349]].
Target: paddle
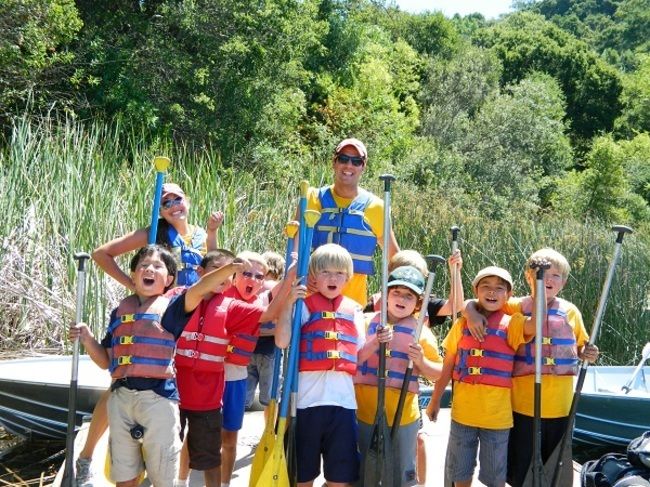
[[565, 444], [378, 468], [275, 472], [645, 353], [537, 463], [455, 277], [161, 164], [292, 461], [266, 442], [68, 475]]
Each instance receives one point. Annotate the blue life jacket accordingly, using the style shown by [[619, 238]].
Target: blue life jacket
[[188, 257], [348, 228]]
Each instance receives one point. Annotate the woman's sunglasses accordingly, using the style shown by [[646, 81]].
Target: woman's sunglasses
[[167, 204]]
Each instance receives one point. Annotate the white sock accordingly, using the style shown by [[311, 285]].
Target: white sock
[[181, 483]]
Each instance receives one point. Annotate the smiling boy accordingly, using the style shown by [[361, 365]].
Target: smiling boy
[[481, 410]]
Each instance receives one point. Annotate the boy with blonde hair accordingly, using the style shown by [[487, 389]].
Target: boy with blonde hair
[[481, 409], [332, 342]]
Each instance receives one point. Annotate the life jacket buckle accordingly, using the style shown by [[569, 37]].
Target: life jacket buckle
[[124, 360], [548, 361], [474, 370], [127, 340], [331, 335], [328, 315], [199, 336], [476, 352], [130, 318], [333, 354], [230, 349], [547, 341], [389, 352]]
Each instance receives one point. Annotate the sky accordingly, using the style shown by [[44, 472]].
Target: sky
[[489, 8]]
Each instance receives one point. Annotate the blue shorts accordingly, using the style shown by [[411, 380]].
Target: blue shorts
[[461, 454], [234, 403], [330, 431]]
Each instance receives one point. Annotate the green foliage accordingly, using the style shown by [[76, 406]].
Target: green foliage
[[526, 42], [33, 51], [636, 100]]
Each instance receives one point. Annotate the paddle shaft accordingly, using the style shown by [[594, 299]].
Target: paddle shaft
[[602, 304], [433, 260], [161, 164], [68, 474], [540, 296], [454, 276]]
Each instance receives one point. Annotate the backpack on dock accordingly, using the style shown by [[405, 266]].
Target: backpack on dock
[[619, 470]]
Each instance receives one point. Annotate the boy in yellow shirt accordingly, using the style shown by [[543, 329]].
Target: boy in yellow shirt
[[481, 409]]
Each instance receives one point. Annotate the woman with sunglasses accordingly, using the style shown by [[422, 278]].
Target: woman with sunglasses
[[351, 216], [188, 242]]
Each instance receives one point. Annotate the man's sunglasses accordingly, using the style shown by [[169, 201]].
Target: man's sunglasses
[[356, 161], [172, 202], [250, 275]]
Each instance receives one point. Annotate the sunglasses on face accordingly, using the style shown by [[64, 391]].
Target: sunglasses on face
[[167, 204], [355, 161], [250, 275]]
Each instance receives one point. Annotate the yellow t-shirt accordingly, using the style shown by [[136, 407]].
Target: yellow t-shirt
[[557, 390], [357, 286], [367, 394], [482, 405]]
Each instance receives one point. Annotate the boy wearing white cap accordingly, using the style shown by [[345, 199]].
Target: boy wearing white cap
[[351, 216], [481, 410]]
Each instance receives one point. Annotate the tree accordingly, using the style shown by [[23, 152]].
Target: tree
[[635, 117], [526, 42], [33, 55]]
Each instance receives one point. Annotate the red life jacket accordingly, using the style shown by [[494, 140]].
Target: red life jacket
[[202, 345], [328, 340], [140, 346], [489, 362], [397, 356], [559, 350], [242, 345]]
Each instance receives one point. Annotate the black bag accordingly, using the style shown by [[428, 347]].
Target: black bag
[[618, 470]]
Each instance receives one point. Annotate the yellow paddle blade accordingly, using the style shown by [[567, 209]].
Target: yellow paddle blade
[[265, 446], [275, 472], [107, 470]]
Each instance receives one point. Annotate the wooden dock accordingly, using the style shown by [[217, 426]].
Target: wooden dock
[[249, 436]]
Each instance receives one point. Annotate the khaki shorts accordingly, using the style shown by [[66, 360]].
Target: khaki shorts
[[160, 445]]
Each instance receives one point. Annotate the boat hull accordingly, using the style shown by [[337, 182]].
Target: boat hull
[[34, 394]]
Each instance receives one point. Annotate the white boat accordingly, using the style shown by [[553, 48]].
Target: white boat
[[34, 394]]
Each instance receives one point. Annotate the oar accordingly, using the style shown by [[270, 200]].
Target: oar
[[645, 353], [275, 473], [68, 474], [378, 469], [161, 164], [433, 261], [292, 459], [537, 463], [268, 437], [620, 230], [455, 277]]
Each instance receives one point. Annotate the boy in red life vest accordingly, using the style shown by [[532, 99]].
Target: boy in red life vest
[[332, 342], [247, 286], [568, 338], [200, 356], [138, 349], [405, 288], [481, 410]]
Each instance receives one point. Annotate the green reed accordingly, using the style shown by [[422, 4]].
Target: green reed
[[69, 188]]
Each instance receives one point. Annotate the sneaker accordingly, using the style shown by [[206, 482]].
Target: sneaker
[[84, 472]]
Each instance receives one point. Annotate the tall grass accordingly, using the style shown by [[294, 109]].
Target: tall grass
[[68, 188]]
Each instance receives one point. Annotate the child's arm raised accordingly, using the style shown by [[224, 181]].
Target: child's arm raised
[[443, 381], [214, 222], [97, 353], [283, 325], [209, 282], [447, 309]]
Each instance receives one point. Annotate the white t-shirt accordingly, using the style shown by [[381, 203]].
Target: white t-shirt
[[329, 387]]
